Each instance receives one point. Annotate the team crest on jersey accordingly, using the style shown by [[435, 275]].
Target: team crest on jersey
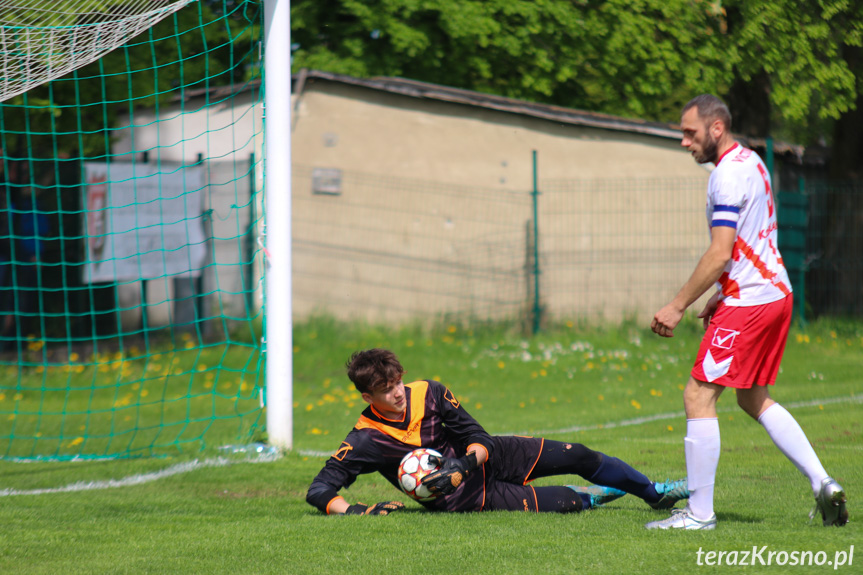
[[343, 451], [724, 338], [451, 398]]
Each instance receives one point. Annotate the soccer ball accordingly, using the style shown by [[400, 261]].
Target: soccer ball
[[413, 467]]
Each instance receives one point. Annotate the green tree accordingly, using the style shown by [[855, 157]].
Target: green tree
[[634, 58], [787, 67]]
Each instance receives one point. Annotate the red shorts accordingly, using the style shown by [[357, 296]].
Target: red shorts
[[743, 346]]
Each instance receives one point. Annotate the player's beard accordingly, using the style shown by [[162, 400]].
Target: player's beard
[[708, 151]]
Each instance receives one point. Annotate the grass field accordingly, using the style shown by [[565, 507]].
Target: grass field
[[617, 390]]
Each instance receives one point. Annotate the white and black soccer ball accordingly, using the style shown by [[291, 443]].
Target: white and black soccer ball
[[413, 467]]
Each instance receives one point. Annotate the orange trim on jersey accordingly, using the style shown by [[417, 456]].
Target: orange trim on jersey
[[535, 499], [541, 445], [334, 499], [482, 505], [750, 255], [481, 446], [411, 435]]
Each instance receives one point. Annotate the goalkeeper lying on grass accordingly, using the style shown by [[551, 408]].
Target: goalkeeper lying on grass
[[478, 472]]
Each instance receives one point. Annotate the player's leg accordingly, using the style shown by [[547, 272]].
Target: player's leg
[[559, 458], [701, 444], [701, 447], [505, 496], [791, 440]]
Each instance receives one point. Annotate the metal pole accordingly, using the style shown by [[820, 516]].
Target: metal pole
[[277, 195], [536, 307]]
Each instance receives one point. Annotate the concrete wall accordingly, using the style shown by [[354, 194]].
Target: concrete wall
[[618, 212]]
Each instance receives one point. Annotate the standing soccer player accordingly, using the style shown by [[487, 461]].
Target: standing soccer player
[[747, 319]]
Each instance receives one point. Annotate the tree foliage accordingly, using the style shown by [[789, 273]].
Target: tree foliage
[[639, 58]]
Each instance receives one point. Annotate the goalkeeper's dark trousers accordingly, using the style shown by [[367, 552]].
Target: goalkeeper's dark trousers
[[559, 458]]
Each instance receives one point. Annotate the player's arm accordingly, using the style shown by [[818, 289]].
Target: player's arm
[[466, 430], [353, 458], [706, 273]]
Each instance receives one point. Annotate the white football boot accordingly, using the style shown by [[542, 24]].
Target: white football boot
[[683, 519]]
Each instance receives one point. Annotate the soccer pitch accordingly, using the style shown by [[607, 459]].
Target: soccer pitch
[[617, 390]]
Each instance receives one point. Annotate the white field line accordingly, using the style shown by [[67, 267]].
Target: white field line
[[641, 420], [142, 477], [264, 458]]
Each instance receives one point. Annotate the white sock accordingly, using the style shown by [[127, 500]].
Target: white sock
[[701, 446], [786, 433]]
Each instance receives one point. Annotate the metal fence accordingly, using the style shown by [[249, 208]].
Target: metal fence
[[390, 249]]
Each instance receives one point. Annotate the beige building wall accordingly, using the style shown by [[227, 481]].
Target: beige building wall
[[612, 203]]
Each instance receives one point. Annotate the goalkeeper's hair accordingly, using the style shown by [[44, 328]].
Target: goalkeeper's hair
[[710, 108], [373, 369]]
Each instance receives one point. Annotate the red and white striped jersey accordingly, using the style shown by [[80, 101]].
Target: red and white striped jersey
[[740, 196]]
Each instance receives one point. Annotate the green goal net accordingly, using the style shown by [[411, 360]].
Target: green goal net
[[130, 217]]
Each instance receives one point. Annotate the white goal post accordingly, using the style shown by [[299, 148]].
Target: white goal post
[[277, 198]]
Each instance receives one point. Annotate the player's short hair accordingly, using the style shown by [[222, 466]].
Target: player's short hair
[[710, 108], [373, 369]]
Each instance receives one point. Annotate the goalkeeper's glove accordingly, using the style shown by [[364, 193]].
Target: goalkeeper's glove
[[384, 508], [451, 474]]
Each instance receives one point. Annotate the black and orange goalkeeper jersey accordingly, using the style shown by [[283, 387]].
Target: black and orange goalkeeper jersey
[[435, 419]]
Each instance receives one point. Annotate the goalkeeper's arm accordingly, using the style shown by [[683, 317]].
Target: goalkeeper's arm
[[454, 471], [338, 506]]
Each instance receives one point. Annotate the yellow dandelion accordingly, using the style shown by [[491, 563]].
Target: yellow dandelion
[[309, 407], [451, 329], [18, 396], [144, 393], [600, 397], [501, 364], [543, 373], [2, 396], [76, 441], [522, 404], [409, 343], [821, 407], [635, 404], [553, 400], [73, 356], [569, 323], [669, 428], [11, 417]]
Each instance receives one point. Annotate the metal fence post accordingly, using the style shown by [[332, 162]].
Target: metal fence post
[[537, 310]]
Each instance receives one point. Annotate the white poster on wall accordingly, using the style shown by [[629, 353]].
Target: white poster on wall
[[143, 222]]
